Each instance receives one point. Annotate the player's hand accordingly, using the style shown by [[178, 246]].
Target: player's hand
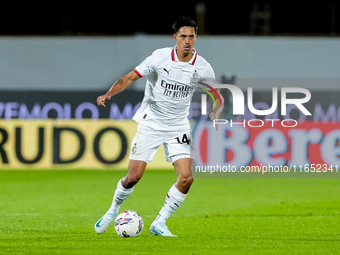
[[212, 116], [102, 99]]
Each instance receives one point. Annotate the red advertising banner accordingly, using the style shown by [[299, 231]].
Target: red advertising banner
[[241, 144]]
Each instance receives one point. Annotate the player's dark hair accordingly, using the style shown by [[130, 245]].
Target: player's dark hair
[[183, 21]]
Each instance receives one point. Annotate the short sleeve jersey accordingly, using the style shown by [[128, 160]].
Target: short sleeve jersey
[[168, 91]]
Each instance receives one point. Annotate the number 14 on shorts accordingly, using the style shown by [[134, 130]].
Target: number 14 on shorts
[[183, 139]]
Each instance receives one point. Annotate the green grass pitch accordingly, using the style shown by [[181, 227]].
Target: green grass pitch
[[53, 212]]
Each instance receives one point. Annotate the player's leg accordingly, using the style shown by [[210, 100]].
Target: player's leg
[[179, 190], [185, 174], [175, 196], [143, 148], [125, 185], [181, 154], [123, 191]]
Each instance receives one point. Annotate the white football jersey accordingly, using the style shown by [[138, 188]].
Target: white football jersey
[[168, 92]]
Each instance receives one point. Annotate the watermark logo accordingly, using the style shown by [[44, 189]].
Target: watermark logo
[[268, 128], [301, 97]]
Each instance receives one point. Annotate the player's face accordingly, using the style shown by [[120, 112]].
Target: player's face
[[185, 39]]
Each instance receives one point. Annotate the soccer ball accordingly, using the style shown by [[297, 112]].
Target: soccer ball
[[129, 224]]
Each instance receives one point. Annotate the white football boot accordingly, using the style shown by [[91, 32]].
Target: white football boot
[[103, 224], [160, 229]]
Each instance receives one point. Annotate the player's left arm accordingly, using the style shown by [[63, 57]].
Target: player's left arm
[[218, 106]]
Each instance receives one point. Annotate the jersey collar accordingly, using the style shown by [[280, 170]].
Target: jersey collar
[[175, 58]]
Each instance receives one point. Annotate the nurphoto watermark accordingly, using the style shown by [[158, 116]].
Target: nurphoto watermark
[[265, 131], [238, 104]]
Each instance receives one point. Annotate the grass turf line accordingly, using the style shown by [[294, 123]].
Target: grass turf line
[[53, 212]]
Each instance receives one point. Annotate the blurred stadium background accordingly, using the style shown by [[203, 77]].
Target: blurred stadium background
[[55, 59]]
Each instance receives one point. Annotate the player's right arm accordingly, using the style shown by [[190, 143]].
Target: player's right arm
[[118, 87]]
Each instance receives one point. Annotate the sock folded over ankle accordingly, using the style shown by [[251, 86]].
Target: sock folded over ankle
[[121, 194], [173, 200]]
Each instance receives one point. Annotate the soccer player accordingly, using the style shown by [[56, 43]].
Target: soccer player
[[162, 119]]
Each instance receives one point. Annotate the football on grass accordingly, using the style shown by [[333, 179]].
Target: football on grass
[[129, 224]]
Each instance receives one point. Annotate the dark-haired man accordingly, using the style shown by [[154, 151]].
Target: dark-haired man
[[162, 119]]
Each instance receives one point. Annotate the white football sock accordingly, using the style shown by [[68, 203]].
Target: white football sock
[[173, 200], [121, 194]]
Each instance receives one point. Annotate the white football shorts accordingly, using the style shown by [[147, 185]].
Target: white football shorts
[[176, 144]]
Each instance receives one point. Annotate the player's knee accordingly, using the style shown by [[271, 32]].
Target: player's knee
[[134, 174], [131, 180], [186, 181]]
